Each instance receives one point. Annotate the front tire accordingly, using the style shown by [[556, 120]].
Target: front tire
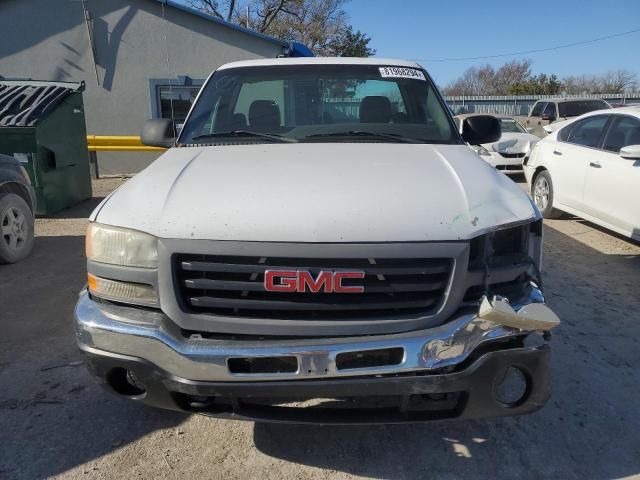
[[542, 193], [16, 228]]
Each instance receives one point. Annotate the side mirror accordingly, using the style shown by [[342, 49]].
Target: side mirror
[[632, 152], [551, 118], [530, 129], [480, 129], [158, 132]]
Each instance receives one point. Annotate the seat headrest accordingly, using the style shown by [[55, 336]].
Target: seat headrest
[[264, 114], [238, 121], [375, 109]]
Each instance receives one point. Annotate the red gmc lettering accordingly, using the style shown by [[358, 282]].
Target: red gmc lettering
[[288, 280], [337, 282], [303, 281], [324, 280]]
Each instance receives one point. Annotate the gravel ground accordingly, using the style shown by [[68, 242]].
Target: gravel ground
[[56, 422]]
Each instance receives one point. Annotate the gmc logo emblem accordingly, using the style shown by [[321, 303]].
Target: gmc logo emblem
[[302, 281]]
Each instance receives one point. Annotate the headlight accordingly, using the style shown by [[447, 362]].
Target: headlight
[[128, 292], [480, 150], [509, 240], [121, 246]]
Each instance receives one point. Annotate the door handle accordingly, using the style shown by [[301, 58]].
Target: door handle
[[557, 152], [595, 164]]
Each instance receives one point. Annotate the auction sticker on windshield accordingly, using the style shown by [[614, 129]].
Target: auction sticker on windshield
[[401, 72]]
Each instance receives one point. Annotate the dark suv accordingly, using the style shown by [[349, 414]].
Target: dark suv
[[17, 206]]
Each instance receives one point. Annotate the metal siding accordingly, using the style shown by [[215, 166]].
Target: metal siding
[[515, 105]]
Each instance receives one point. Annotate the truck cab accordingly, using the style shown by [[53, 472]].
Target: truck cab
[[319, 244], [545, 112]]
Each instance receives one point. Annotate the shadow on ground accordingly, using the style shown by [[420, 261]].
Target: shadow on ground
[[632, 241]]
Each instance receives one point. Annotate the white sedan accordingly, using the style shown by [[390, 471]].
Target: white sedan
[[590, 167], [508, 153]]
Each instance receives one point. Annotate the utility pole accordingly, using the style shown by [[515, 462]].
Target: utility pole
[[247, 16]]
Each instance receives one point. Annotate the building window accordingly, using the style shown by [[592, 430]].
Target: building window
[[173, 98], [175, 102]]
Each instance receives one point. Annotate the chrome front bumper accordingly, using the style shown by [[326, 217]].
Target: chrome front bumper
[[111, 330]]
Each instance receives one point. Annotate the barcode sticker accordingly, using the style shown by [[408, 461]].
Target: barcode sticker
[[402, 72]]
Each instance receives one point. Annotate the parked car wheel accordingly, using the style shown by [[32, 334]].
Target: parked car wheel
[[16, 228], [542, 193]]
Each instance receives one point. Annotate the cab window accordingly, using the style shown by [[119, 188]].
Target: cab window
[[537, 109], [550, 110], [575, 108], [266, 91]]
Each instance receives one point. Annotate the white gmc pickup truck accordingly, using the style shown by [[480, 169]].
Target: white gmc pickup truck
[[319, 244]]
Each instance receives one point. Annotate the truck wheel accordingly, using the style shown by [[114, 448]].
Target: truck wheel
[[542, 193], [16, 228]]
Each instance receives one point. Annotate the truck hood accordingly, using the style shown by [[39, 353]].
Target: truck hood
[[317, 192]]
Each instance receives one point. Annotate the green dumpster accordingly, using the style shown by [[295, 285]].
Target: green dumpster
[[42, 125]]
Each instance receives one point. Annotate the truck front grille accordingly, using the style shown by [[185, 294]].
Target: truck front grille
[[234, 286]]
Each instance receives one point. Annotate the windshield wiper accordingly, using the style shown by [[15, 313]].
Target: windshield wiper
[[355, 133], [245, 133]]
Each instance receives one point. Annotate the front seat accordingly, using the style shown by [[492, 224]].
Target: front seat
[[375, 109], [264, 115]]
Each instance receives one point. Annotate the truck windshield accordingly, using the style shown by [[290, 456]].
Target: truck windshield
[[318, 103]]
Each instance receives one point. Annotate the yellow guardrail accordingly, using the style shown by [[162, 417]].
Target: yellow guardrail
[[115, 143], [118, 143]]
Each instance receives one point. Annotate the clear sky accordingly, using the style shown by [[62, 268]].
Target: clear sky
[[432, 29]]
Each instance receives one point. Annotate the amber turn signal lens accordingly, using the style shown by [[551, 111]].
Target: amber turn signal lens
[[118, 291]]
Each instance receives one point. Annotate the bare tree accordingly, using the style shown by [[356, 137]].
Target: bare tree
[[318, 24], [615, 81], [270, 10], [262, 13], [486, 80], [516, 78], [511, 73], [580, 84], [213, 7], [618, 81], [321, 25], [474, 81]]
